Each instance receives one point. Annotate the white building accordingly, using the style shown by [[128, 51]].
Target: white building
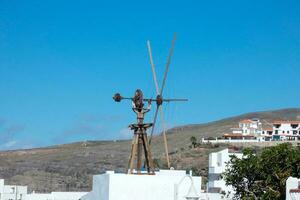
[[15, 192], [292, 189], [247, 129], [253, 130], [267, 132], [12, 192], [248, 126], [164, 185], [286, 130], [217, 165]]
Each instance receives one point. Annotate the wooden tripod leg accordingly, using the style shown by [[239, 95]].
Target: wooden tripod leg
[[148, 155], [139, 153], [132, 154]]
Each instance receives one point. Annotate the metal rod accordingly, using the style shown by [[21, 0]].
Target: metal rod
[[152, 99], [168, 100]]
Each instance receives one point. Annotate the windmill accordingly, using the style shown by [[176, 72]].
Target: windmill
[[140, 142]]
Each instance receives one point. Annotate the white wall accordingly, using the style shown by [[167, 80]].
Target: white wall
[[56, 196], [1, 188], [250, 127], [100, 187], [38, 196], [286, 131], [291, 184], [217, 165], [215, 141], [14, 192], [142, 187]]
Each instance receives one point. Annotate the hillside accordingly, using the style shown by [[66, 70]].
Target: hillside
[[180, 136], [71, 166]]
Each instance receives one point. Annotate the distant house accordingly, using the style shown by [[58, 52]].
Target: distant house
[[250, 129], [286, 130], [246, 129]]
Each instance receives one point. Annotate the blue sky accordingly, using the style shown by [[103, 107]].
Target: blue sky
[[61, 62]]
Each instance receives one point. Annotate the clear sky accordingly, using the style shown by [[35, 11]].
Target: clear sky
[[61, 62]]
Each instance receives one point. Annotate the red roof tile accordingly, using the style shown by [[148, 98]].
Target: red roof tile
[[245, 121], [267, 129]]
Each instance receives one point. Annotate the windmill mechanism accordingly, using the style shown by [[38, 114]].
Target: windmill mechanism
[[140, 142]]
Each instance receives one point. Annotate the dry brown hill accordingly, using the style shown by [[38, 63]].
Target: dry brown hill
[[71, 166]]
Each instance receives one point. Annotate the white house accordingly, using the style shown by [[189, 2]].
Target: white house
[[164, 185], [12, 192], [250, 126], [252, 130], [217, 165], [292, 189], [286, 130], [247, 129], [267, 132], [16, 192]]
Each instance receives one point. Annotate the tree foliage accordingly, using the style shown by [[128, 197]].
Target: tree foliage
[[263, 175], [193, 140]]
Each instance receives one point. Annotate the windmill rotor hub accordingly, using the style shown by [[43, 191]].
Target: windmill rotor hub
[[159, 100]]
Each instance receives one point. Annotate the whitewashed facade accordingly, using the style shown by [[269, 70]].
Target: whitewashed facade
[[292, 189], [252, 130], [247, 129], [217, 165], [165, 184], [286, 130], [12, 192], [16, 192]]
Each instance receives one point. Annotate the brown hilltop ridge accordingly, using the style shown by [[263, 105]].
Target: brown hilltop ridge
[[70, 167]]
